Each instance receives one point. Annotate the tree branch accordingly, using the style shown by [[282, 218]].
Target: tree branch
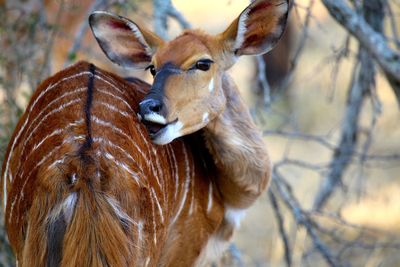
[[370, 39], [363, 81]]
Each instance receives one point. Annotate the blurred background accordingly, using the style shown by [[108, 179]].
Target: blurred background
[[326, 99]]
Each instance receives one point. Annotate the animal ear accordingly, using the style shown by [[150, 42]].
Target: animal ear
[[257, 29], [123, 41]]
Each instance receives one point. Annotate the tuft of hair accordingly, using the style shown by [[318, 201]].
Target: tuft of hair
[[76, 224]]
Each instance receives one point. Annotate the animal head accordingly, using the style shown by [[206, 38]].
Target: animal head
[[187, 90]]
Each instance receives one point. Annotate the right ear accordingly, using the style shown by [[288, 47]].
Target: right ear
[[123, 41]]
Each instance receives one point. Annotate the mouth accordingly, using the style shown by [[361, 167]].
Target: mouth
[[155, 124], [154, 128]]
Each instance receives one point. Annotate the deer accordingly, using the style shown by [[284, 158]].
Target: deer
[[101, 171]]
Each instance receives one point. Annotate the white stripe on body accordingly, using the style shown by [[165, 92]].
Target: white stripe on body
[[50, 87], [112, 108], [20, 194], [210, 197], [186, 185], [158, 204], [123, 166]]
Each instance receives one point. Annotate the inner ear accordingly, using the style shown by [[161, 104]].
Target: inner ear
[[123, 41], [258, 28]]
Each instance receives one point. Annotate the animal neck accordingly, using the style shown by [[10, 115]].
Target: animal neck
[[238, 151]]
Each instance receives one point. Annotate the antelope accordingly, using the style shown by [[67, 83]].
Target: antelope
[[101, 171]]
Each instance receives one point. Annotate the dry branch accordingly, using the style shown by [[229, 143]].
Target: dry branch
[[371, 39], [363, 81]]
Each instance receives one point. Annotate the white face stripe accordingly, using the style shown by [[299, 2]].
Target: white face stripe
[[211, 85], [186, 186], [50, 87]]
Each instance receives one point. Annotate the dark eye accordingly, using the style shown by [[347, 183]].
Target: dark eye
[[152, 70], [203, 64]]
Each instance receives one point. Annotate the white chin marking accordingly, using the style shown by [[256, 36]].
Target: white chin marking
[[171, 132], [211, 85], [154, 117]]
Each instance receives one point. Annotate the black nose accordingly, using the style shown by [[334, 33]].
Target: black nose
[[150, 105]]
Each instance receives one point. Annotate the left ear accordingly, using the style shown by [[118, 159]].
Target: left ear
[[257, 29]]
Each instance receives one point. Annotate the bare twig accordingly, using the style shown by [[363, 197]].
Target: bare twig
[[301, 218], [372, 40], [363, 81], [281, 227]]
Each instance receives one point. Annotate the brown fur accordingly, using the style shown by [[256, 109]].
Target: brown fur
[[95, 235], [99, 193]]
